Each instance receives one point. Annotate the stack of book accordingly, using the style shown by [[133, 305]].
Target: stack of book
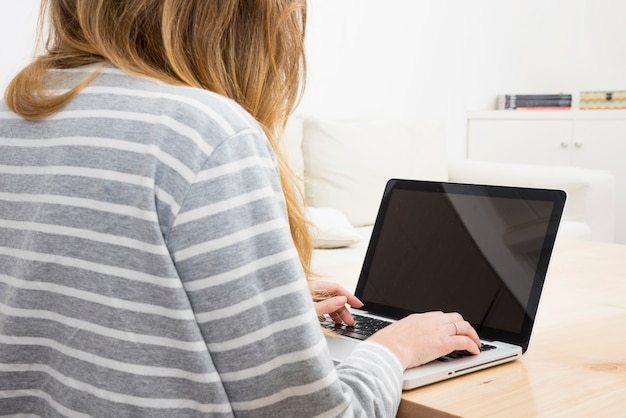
[[615, 99], [534, 102]]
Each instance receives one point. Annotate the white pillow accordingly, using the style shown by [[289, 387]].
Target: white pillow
[[331, 228], [347, 163]]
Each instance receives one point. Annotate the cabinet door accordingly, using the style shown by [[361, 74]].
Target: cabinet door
[[520, 141], [601, 144]]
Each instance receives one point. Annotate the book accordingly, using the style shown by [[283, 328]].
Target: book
[[543, 108], [547, 102], [536, 96], [512, 101]]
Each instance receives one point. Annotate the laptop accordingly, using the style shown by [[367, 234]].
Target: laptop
[[479, 250]]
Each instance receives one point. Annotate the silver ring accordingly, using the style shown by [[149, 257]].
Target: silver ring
[[456, 327]]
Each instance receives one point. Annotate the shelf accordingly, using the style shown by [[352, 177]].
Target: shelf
[[548, 114]]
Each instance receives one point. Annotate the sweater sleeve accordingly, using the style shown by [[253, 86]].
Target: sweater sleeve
[[233, 250]]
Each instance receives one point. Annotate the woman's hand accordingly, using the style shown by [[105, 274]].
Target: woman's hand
[[331, 298], [421, 338], [416, 339]]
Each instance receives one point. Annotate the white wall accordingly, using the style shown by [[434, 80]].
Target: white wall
[[18, 22], [427, 57], [447, 57]]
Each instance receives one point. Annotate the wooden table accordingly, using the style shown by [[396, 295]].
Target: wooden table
[[576, 363]]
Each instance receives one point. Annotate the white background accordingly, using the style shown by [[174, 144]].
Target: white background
[[427, 57]]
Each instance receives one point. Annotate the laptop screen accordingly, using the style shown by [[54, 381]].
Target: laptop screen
[[479, 250]]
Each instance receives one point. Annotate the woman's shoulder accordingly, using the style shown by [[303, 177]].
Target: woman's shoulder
[[186, 124], [187, 107]]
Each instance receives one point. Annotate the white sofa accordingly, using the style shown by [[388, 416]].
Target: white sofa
[[346, 163]]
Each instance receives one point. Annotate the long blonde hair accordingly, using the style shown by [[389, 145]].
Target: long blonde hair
[[251, 51]]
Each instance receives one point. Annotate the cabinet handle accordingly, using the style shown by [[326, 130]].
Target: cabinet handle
[[564, 144], [578, 144]]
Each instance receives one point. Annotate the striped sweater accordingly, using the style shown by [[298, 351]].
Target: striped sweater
[[147, 267]]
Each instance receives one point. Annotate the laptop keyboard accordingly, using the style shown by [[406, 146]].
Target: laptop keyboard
[[464, 353], [365, 326]]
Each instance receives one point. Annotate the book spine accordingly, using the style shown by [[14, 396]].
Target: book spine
[[542, 108], [508, 106], [538, 96], [547, 102]]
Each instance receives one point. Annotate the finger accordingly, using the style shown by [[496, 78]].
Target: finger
[[330, 305], [346, 317], [342, 316], [335, 317], [341, 313], [463, 342], [453, 324], [352, 300], [465, 329], [455, 328]]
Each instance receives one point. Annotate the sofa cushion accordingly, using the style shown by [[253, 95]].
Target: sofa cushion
[[348, 162], [589, 209], [330, 228]]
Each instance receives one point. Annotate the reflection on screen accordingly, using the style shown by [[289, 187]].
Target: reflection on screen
[[454, 252]]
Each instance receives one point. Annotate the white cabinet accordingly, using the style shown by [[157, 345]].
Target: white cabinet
[[590, 139]]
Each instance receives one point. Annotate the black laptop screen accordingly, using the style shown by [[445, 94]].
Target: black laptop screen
[[477, 250]]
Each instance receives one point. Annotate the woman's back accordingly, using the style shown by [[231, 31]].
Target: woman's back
[[138, 224]]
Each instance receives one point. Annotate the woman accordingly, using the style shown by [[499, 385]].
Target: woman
[[153, 254]]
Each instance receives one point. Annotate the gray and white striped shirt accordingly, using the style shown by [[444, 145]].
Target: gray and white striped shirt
[[147, 268]]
